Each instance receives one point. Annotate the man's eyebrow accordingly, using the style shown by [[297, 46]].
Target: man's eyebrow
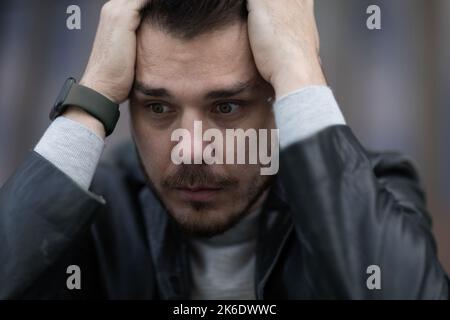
[[149, 91], [214, 94], [231, 91]]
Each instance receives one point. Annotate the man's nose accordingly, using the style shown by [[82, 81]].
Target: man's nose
[[195, 145]]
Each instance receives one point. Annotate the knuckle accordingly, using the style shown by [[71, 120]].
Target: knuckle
[[115, 12], [106, 7], [105, 10], [110, 10]]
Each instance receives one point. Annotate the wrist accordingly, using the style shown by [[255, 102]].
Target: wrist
[[100, 88], [79, 115], [294, 78]]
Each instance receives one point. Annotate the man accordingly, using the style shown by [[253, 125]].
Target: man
[[145, 227]]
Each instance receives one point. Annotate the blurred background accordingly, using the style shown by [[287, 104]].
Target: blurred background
[[393, 84]]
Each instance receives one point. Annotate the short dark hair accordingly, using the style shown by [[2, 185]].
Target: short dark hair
[[189, 18]]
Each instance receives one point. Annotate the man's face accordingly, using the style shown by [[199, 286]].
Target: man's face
[[213, 79]]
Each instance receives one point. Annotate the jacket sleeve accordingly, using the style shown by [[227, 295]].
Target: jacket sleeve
[[350, 214], [44, 216]]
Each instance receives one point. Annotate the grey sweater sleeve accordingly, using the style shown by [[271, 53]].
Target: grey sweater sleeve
[[76, 150], [305, 112], [72, 148]]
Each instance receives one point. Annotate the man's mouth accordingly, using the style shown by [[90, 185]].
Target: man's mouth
[[198, 193]]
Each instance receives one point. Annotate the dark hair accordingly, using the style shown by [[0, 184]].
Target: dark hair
[[189, 18]]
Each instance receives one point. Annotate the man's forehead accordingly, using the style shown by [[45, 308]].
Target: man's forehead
[[221, 51]]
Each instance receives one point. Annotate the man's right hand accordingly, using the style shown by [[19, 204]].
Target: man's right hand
[[111, 66], [110, 70]]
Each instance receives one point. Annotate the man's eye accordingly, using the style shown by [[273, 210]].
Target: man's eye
[[227, 108], [158, 108]]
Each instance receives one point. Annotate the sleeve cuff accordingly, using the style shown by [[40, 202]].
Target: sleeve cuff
[[73, 149], [306, 112]]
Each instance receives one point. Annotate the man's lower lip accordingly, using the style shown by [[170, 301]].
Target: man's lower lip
[[198, 194]]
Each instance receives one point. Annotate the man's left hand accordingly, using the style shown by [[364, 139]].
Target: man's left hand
[[285, 43]]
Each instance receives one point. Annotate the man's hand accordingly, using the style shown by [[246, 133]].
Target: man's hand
[[285, 43], [110, 70]]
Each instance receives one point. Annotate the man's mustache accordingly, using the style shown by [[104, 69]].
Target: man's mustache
[[198, 176]]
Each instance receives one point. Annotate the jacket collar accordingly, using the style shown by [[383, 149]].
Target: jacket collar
[[167, 248], [275, 228]]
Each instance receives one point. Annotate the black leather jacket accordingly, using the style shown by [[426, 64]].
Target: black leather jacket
[[334, 210]]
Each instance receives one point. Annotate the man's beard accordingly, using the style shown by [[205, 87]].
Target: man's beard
[[189, 175]]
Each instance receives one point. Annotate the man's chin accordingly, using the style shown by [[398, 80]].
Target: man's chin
[[203, 219]]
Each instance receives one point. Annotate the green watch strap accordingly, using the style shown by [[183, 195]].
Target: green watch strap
[[97, 105]]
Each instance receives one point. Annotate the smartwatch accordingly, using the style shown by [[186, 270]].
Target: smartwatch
[[94, 103]]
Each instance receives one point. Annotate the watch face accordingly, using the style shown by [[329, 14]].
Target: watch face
[[57, 107]]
